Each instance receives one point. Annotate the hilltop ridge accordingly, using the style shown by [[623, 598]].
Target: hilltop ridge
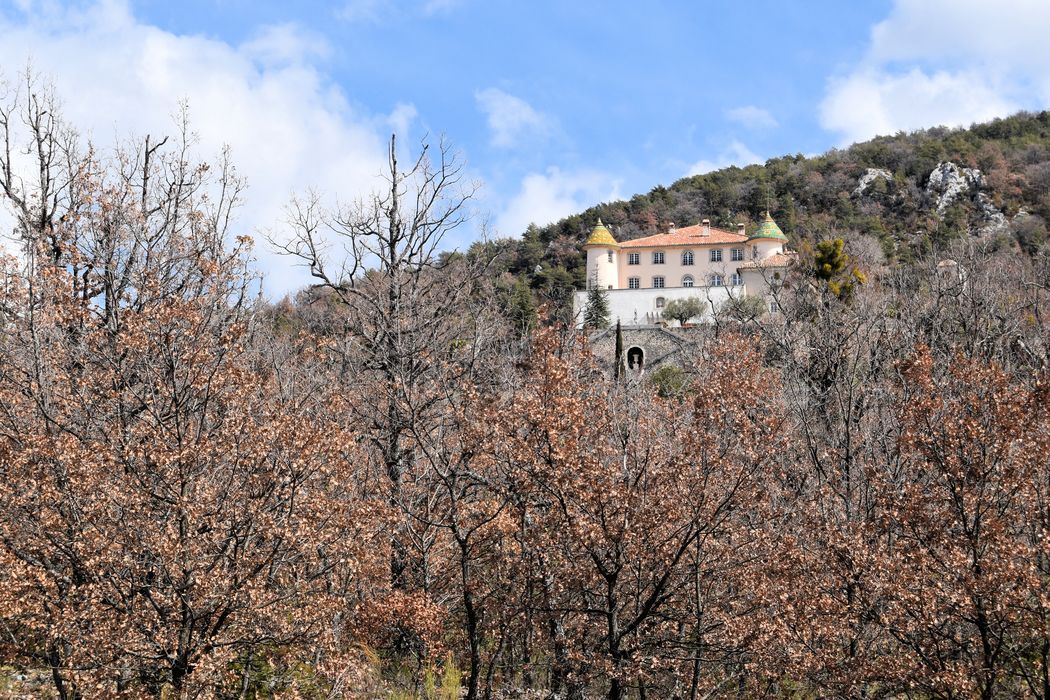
[[913, 192]]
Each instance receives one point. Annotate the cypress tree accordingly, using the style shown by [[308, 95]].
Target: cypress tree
[[619, 350]]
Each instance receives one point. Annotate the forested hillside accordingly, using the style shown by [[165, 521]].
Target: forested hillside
[[913, 193], [390, 487]]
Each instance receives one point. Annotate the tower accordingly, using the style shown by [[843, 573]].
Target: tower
[[602, 258], [767, 239]]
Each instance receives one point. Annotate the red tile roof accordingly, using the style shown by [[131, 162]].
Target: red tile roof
[[688, 235], [775, 260]]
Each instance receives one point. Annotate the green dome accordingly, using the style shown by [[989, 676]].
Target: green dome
[[769, 229], [600, 236]]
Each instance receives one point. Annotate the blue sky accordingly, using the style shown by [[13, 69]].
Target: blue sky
[[554, 106]]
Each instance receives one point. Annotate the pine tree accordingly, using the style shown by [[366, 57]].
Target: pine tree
[[832, 265], [521, 309]]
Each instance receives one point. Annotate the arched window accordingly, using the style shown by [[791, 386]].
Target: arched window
[[610, 256], [660, 302], [687, 281], [717, 281], [687, 257]]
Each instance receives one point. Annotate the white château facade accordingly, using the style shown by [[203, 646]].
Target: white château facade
[[711, 264]]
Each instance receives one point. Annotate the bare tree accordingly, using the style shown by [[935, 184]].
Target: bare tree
[[411, 321]]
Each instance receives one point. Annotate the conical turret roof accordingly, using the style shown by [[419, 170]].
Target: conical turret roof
[[768, 229], [600, 236]]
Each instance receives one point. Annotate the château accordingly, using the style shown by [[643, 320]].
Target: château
[[641, 276]]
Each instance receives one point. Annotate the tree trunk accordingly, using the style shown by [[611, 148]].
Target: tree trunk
[[471, 614]]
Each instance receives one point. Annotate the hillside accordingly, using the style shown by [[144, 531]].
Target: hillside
[[913, 192]]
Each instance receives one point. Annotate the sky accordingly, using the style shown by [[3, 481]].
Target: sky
[[553, 106]]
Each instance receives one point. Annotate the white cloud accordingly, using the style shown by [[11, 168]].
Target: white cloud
[[510, 119], [363, 11], [547, 197], [284, 44], [288, 126], [752, 117], [735, 153], [943, 62], [400, 120], [878, 102]]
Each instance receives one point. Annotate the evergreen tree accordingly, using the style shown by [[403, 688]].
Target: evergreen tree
[[832, 265], [619, 350], [521, 308], [596, 313]]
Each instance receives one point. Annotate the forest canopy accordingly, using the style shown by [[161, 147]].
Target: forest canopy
[[414, 480]]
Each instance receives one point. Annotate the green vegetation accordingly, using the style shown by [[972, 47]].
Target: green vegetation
[[670, 381], [831, 265], [816, 198], [596, 315], [682, 310]]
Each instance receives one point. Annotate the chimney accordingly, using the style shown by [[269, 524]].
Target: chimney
[[740, 229], [670, 227], [706, 230]]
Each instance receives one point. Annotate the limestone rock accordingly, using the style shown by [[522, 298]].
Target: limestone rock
[[948, 181], [994, 220], [870, 176]]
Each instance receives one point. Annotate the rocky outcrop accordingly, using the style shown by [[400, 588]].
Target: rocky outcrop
[[948, 181], [994, 220], [869, 177]]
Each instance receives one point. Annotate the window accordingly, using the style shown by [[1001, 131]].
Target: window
[[687, 281], [717, 281], [633, 283], [634, 259], [687, 257], [754, 252], [658, 282], [736, 280], [658, 258], [736, 254], [610, 256], [659, 302], [716, 255]]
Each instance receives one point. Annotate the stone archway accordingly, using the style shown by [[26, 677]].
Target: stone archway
[[635, 359]]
